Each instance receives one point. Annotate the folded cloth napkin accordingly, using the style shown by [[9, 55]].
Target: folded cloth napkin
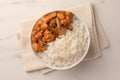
[[85, 12]]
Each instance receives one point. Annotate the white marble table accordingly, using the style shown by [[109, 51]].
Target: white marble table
[[12, 12]]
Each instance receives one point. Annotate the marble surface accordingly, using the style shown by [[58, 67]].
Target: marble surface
[[13, 12]]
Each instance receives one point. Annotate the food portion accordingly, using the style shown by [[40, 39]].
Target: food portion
[[50, 27], [60, 39], [67, 49]]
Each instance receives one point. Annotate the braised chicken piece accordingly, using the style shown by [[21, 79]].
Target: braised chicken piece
[[36, 47], [40, 25], [39, 40], [42, 47], [71, 15], [43, 26], [48, 36], [33, 39], [61, 15], [38, 34], [68, 19], [48, 17], [64, 22], [52, 23], [37, 25], [58, 23], [39, 47], [49, 27]]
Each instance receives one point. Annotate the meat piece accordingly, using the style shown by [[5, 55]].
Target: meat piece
[[62, 31], [48, 17], [48, 36], [37, 25], [35, 36], [68, 19], [39, 47], [61, 15], [40, 25], [36, 47], [70, 27], [33, 39], [64, 22], [52, 23], [39, 40], [69, 14], [42, 47], [38, 34], [47, 32], [43, 26]]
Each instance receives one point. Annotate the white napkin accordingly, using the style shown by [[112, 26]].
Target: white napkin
[[85, 12]]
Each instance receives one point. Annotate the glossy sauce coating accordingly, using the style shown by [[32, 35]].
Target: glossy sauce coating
[[49, 27]]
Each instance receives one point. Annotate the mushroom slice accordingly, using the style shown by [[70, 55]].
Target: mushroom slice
[[58, 23], [55, 32]]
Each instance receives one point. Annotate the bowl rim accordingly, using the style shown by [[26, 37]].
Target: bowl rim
[[74, 64]]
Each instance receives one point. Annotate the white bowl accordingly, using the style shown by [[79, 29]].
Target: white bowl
[[74, 64]]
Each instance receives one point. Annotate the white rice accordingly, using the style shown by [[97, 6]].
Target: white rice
[[67, 49]]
